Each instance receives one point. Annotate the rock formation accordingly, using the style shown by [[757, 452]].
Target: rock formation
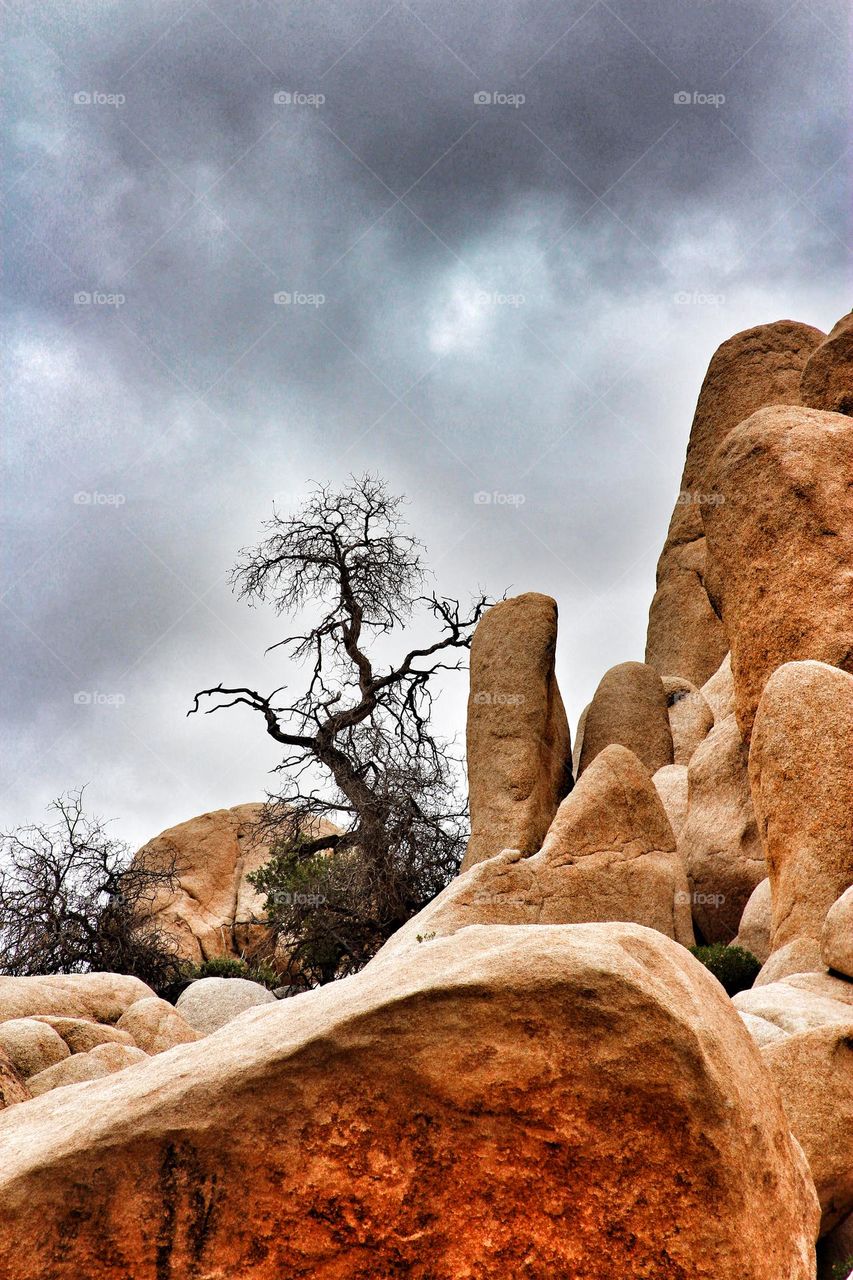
[[781, 541], [760, 366], [801, 770], [609, 855], [518, 743], [629, 709], [827, 379], [719, 841], [836, 940], [408, 1119], [690, 717]]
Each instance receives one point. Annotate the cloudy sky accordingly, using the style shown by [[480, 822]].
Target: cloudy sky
[[510, 246]]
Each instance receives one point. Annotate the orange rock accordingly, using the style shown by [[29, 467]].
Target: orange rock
[[518, 744], [781, 539], [547, 1101], [13, 1088], [629, 709], [757, 367], [827, 381]]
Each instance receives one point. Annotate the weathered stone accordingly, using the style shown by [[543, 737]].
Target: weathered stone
[[100, 996], [671, 785], [814, 1072], [81, 1035], [609, 855], [719, 691], [781, 541], [13, 1087], [155, 1025], [518, 744], [74, 1070], [206, 1005], [757, 367], [690, 717], [827, 379], [31, 1046], [756, 922], [578, 740], [792, 1009], [629, 710], [448, 1112], [720, 841], [836, 943], [801, 770]]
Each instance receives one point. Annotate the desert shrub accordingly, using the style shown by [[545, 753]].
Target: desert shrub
[[734, 967], [842, 1270], [233, 967]]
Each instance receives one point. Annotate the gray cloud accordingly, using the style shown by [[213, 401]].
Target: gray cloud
[[500, 314]]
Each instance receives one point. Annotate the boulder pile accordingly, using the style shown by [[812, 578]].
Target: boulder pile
[[536, 1076]]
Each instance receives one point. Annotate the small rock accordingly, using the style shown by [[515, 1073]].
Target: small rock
[[211, 1002]]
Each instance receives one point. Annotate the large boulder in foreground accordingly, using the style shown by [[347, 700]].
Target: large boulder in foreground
[[518, 743], [801, 771], [720, 841], [629, 709], [757, 367], [781, 540], [610, 854], [546, 1101]]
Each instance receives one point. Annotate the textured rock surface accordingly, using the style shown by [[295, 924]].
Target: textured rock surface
[[629, 709], [827, 379], [814, 1072], [206, 1005], [690, 717], [31, 1046], [518, 744], [794, 1009], [298, 1143], [609, 855], [757, 921], [782, 545], [13, 1088], [759, 366], [101, 996], [801, 770], [671, 785], [81, 1035], [836, 942], [720, 841], [719, 691], [74, 1070], [155, 1026]]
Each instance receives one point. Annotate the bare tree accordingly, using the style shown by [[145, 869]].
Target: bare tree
[[71, 901], [359, 752]]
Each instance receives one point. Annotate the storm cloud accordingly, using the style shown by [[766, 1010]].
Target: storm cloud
[[485, 249]]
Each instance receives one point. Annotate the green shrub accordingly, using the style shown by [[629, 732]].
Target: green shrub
[[232, 967], [842, 1270], [734, 967]]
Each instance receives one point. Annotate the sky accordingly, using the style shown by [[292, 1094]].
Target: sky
[[482, 248]]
